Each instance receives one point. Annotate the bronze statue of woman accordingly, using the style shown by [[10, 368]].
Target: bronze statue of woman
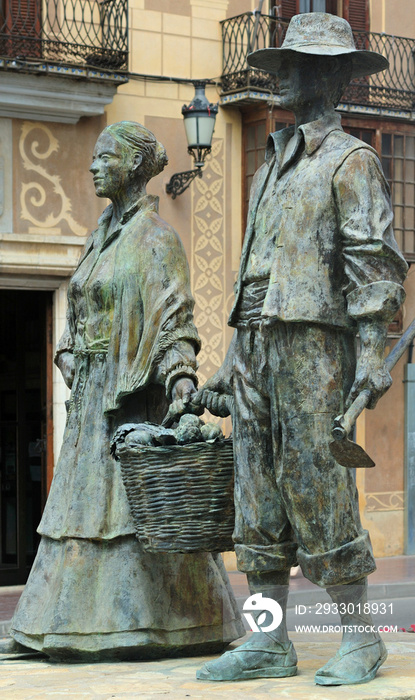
[[127, 352]]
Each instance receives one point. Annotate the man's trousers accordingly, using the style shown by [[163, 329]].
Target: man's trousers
[[293, 501]]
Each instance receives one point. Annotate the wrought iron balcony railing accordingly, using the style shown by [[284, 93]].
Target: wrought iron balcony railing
[[68, 32], [391, 89]]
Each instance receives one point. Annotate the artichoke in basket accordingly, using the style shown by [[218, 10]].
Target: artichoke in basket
[[189, 430], [139, 437], [211, 432], [191, 419], [161, 436]]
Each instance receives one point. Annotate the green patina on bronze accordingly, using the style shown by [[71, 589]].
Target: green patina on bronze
[[319, 263], [129, 349]]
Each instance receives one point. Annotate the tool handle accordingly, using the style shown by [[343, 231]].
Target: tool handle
[[400, 347], [344, 424]]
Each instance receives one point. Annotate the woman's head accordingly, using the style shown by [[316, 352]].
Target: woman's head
[[138, 140], [126, 156]]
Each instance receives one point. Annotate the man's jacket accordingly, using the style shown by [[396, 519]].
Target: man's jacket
[[335, 258]]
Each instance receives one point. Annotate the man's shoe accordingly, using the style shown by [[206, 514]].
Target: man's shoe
[[252, 660], [350, 666]]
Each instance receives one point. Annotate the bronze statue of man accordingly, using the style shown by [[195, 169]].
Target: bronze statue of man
[[319, 264]]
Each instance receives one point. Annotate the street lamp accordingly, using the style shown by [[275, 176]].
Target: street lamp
[[199, 123]]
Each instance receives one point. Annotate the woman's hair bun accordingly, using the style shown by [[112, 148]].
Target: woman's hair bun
[[161, 158], [139, 139]]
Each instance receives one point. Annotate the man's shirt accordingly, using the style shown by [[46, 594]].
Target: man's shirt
[[320, 228]]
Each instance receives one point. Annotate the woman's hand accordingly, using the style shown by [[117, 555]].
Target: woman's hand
[[182, 393], [183, 390], [66, 364]]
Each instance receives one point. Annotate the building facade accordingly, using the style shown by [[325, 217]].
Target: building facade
[[68, 69]]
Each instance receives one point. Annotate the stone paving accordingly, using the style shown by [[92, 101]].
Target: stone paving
[[36, 680]]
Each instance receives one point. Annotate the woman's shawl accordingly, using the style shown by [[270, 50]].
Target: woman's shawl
[[153, 306]]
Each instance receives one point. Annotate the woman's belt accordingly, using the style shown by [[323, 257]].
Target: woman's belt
[[97, 351], [84, 351]]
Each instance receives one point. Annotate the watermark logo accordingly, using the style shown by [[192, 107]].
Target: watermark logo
[[257, 603]]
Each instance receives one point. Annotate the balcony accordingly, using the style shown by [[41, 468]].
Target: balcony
[[45, 42], [66, 32], [392, 89]]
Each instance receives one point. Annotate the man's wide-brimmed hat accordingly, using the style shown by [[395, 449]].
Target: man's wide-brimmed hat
[[319, 34]]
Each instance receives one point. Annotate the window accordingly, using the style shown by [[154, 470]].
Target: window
[[278, 125], [254, 139], [366, 135], [20, 28], [313, 6], [398, 161], [355, 11]]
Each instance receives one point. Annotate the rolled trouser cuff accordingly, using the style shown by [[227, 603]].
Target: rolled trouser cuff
[[344, 564], [273, 557]]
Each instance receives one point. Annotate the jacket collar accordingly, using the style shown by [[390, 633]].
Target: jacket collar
[[149, 201], [314, 134]]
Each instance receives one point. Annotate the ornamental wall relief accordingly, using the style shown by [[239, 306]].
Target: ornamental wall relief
[[385, 501], [33, 196], [53, 190]]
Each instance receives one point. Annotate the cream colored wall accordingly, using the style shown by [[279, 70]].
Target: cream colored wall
[[189, 46], [237, 7], [60, 391], [381, 433], [182, 39], [393, 17], [208, 215], [187, 43], [49, 207]]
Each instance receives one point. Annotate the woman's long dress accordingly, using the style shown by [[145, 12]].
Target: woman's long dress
[[93, 593]]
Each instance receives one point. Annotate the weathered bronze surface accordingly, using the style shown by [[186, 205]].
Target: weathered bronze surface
[[344, 451], [319, 264], [128, 351]]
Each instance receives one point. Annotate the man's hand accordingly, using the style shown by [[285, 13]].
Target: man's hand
[[66, 364], [372, 374], [215, 396], [371, 370]]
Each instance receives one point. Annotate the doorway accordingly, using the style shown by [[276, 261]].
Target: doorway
[[25, 426]]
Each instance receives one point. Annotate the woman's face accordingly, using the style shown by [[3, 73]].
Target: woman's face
[[112, 167]]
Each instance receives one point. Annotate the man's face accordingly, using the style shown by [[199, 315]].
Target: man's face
[[111, 167], [301, 81]]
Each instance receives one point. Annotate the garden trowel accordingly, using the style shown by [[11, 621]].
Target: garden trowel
[[345, 451]]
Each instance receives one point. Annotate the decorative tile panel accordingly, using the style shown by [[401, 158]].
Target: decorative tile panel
[[384, 501], [208, 260]]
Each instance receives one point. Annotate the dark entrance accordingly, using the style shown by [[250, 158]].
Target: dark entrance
[[25, 426]]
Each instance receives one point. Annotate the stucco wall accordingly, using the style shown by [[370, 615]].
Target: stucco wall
[[183, 40], [393, 17]]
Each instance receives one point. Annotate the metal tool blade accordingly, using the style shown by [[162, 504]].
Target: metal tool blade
[[349, 454]]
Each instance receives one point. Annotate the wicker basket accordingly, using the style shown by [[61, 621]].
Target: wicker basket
[[181, 496]]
